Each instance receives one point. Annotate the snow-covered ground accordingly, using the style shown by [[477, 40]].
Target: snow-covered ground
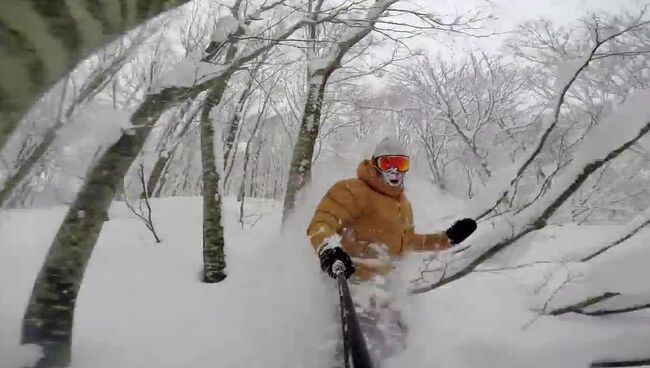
[[142, 305]]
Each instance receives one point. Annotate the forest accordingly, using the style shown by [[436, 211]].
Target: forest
[[174, 156]]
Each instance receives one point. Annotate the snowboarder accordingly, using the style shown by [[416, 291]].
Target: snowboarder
[[367, 222]]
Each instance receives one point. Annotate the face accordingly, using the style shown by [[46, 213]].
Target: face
[[393, 177], [393, 168]]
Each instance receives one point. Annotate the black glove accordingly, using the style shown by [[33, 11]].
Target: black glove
[[331, 255], [460, 230]]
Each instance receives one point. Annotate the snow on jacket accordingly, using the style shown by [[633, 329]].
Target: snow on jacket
[[374, 220]]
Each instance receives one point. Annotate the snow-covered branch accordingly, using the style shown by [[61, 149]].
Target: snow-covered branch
[[568, 73], [632, 229], [597, 149]]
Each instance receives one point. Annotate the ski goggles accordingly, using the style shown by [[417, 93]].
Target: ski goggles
[[388, 162]]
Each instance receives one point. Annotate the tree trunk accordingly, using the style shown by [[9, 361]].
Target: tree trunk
[[87, 91], [233, 124], [300, 171], [214, 262], [157, 173], [48, 319], [154, 176], [254, 188], [27, 69]]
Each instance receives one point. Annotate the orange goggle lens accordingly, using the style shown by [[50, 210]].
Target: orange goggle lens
[[385, 163]]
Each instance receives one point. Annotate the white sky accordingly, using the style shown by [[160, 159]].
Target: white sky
[[510, 13]]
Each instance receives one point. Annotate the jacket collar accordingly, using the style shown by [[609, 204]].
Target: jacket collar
[[369, 175]]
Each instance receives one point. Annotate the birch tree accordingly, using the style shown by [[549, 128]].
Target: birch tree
[[393, 26], [72, 97], [48, 319], [35, 58], [318, 74]]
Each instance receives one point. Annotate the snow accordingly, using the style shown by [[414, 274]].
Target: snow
[[318, 64], [620, 126], [142, 304], [616, 128], [96, 124], [493, 189], [21, 253], [223, 27], [567, 71], [187, 72]]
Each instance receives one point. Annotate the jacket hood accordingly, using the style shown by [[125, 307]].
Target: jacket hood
[[367, 173]]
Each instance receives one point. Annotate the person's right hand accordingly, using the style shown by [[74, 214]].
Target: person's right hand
[[460, 230], [329, 256]]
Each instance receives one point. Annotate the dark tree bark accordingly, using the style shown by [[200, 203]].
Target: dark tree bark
[[214, 262], [28, 69], [583, 304], [622, 363], [93, 85], [156, 177]]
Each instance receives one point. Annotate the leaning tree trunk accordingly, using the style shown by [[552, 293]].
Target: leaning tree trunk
[[232, 135], [29, 68], [87, 91], [48, 319], [233, 125], [300, 171], [49, 316], [157, 173]]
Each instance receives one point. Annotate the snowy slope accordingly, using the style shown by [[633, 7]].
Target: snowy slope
[[141, 304]]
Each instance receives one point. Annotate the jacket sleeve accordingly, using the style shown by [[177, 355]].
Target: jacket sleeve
[[340, 205], [422, 242]]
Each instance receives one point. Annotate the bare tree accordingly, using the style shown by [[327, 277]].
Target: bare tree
[[49, 315], [535, 217], [456, 110], [247, 154], [318, 75], [167, 147], [143, 210], [602, 35]]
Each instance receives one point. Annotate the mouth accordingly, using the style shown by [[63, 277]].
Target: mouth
[[394, 181]]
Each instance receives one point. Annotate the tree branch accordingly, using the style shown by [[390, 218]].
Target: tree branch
[[605, 312], [585, 303], [621, 363]]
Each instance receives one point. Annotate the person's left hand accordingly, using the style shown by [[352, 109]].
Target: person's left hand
[[460, 230]]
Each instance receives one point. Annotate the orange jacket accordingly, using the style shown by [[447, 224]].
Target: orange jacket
[[374, 220]]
